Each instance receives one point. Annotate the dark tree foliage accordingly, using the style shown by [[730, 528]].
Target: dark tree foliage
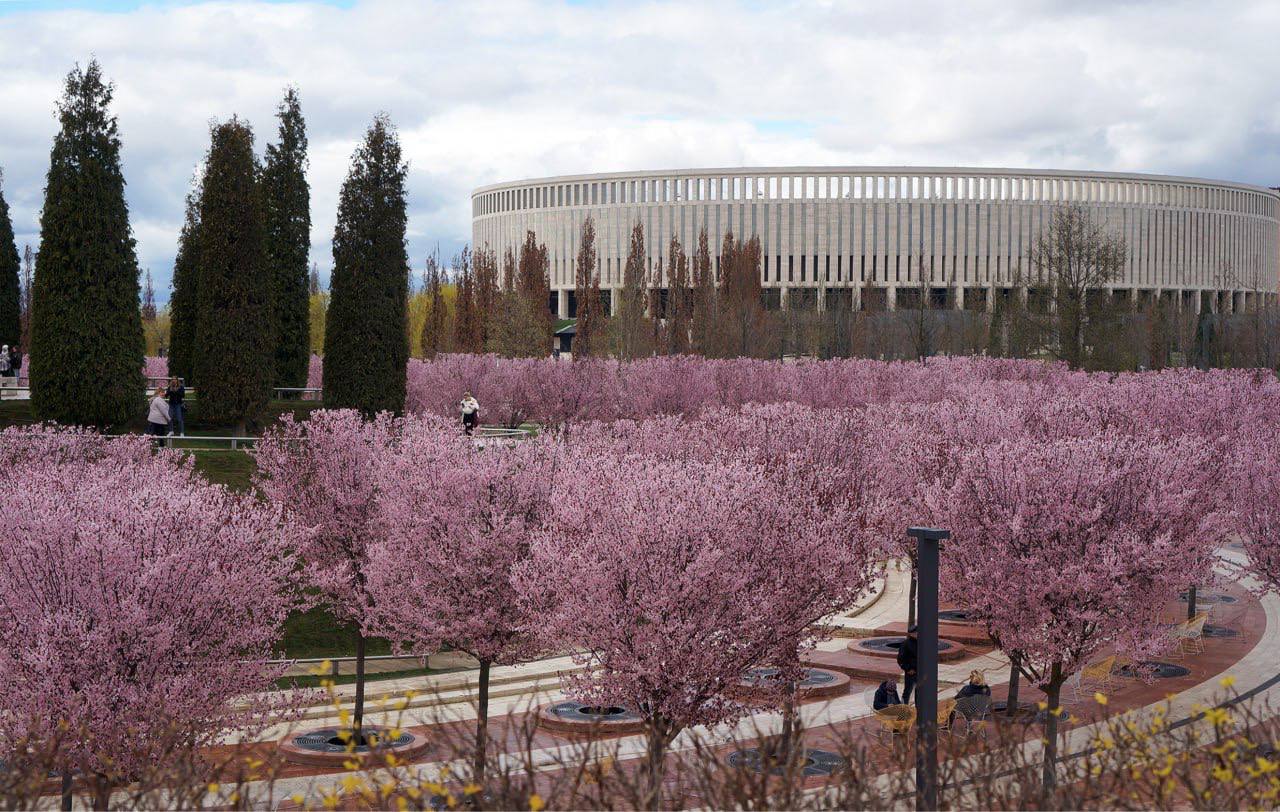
[[467, 327], [287, 224], [705, 297], [183, 301], [86, 329], [233, 363], [10, 288], [366, 343]]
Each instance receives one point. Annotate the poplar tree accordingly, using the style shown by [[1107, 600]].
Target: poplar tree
[[183, 300], [679, 299], [86, 330], [10, 288], [632, 332], [287, 224], [366, 343], [233, 364], [586, 340], [435, 325], [704, 297]]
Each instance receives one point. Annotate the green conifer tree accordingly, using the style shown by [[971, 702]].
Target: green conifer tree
[[183, 302], [287, 212], [235, 355], [86, 329], [10, 288], [366, 342]]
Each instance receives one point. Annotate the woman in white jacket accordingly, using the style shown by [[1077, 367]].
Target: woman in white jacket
[[158, 416], [470, 408]]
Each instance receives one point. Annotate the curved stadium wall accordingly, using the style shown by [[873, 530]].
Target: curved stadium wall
[[855, 237]]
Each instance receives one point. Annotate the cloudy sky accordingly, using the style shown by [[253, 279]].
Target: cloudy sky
[[490, 91]]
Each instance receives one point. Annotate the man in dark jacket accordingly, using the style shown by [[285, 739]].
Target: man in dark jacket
[[908, 655]]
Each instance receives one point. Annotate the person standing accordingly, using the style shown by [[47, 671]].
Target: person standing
[[470, 408], [158, 415], [15, 364], [4, 362], [177, 407], [908, 661]]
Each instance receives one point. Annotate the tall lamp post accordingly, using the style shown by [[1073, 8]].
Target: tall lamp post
[[928, 540]]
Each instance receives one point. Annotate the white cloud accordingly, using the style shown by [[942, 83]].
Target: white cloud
[[498, 90]]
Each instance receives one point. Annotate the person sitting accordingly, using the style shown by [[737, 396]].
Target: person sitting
[[976, 686], [886, 695]]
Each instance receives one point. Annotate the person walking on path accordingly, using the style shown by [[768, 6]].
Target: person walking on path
[[15, 364], [177, 408], [470, 408], [158, 416], [908, 661]]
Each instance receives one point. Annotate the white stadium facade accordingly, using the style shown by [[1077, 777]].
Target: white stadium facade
[[857, 237]]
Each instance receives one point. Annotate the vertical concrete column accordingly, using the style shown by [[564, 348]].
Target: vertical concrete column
[[959, 305], [562, 304], [891, 298], [783, 297]]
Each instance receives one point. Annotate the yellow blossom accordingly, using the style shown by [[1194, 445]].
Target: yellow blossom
[[536, 804], [1100, 698], [1227, 681]]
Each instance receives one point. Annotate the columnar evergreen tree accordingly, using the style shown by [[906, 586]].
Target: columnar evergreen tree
[[233, 327], [366, 343], [313, 281], [467, 325], [10, 292], [183, 300], [587, 292], [287, 224], [86, 331], [484, 265]]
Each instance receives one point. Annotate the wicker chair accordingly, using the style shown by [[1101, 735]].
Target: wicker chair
[[895, 721], [974, 710], [1095, 675]]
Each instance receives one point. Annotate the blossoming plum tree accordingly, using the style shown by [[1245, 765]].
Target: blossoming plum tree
[[136, 601], [456, 523], [1067, 547], [325, 474], [674, 577]]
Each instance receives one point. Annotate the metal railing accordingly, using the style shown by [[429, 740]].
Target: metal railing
[[335, 663]]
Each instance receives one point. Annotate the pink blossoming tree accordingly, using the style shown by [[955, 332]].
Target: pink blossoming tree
[[1065, 548], [325, 474], [136, 602], [456, 524], [674, 577]]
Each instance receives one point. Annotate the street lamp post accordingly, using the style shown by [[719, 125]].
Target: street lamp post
[[928, 540]]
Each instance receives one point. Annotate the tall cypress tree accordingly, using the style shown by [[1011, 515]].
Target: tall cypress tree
[[366, 342], [183, 300], [10, 289], [233, 327], [86, 330], [287, 212]]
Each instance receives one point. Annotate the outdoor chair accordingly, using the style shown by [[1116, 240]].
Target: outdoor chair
[[895, 721], [974, 710], [1193, 637], [1095, 675], [946, 714]]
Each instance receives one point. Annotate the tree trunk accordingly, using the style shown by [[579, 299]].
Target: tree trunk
[[67, 798], [358, 725], [102, 794], [1011, 703], [1050, 776], [482, 723], [660, 735]]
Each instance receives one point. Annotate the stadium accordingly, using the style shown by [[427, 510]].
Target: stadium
[[859, 237]]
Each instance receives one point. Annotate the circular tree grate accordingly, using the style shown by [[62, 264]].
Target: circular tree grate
[[956, 616], [1219, 631], [816, 762], [892, 644], [1152, 668], [1208, 597], [1027, 712]]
